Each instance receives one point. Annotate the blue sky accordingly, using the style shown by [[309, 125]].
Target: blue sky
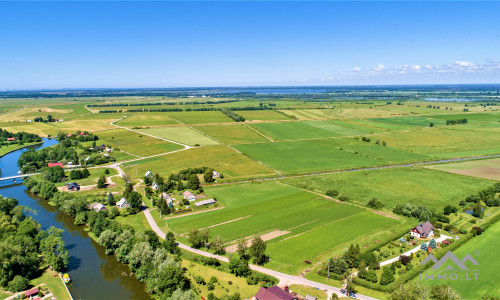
[[176, 44]]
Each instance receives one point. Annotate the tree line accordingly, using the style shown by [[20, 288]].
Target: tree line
[[25, 249]]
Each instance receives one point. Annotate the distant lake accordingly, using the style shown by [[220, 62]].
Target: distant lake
[[453, 99]]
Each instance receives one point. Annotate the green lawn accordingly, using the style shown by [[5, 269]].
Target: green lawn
[[181, 134], [306, 156], [484, 249], [135, 143], [296, 130], [95, 173], [396, 185], [6, 149], [232, 134], [54, 283], [222, 287]]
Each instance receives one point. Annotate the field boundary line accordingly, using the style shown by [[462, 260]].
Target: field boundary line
[[195, 213], [258, 132], [282, 277]]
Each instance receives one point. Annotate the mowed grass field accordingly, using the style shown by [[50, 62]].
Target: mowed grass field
[[199, 117], [135, 143], [314, 226], [305, 156], [296, 130], [262, 115], [137, 120], [222, 158], [181, 134], [485, 168], [391, 186], [414, 121], [484, 249], [232, 134], [447, 141]]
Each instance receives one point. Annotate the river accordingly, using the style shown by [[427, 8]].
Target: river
[[94, 274]]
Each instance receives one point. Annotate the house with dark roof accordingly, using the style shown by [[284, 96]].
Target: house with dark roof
[[73, 186], [424, 230], [273, 293]]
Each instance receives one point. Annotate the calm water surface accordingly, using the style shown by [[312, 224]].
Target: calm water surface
[[95, 275]]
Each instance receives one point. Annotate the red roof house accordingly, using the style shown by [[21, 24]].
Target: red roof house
[[11, 139], [31, 292], [50, 165], [273, 293]]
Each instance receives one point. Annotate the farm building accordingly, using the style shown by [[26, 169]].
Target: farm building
[[149, 174], [205, 202], [189, 196], [155, 186], [60, 164], [423, 230], [122, 203], [273, 293], [73, 187], [216, 174], [31, 293], [97, 206]]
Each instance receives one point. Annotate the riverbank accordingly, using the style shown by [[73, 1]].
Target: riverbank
[[8, 149]]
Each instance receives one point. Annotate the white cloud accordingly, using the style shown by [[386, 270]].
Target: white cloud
[[327, 78], [457, 67]]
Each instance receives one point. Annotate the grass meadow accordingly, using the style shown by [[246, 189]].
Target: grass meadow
[[232, 134], [199, 117], [137, 120], [261, 115], [222, 158], [181, 134], [305, 156], [484, 249], [314, 224], [391, 186], [296, 130], [135, 143]]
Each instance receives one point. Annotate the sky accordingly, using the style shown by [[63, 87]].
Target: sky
[[53, 45]]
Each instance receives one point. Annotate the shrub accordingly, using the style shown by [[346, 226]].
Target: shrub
[[343, 198], [463, 231], [332, 193], [374, 203]]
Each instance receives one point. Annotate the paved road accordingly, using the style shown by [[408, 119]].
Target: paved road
[[285, 279]]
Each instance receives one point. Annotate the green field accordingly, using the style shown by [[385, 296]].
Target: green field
[[396, 185], [313, 224], [484, 249], [223, 159], [414, 121], [305, 156], [181, 134], [296, 130], [135, 143], [135, 120], [200, 117], [261, 115], [232, 134]]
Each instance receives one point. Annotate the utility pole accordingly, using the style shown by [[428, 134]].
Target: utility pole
[[328, 270]]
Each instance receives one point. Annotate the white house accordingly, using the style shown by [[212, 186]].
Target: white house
[[97, 206], [149, 174], [216, 174], [189, 196], [155, 186], [423, 230], [122, 203]]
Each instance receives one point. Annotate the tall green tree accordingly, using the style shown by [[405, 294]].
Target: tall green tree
[[194, 182], [53, 250], [258, 250]]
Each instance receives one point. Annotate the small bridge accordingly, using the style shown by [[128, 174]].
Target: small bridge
[[16, 177]]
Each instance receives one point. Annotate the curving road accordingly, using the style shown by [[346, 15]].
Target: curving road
[[282, 277]]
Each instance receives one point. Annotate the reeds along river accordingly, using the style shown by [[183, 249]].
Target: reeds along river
[[94, 274]]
